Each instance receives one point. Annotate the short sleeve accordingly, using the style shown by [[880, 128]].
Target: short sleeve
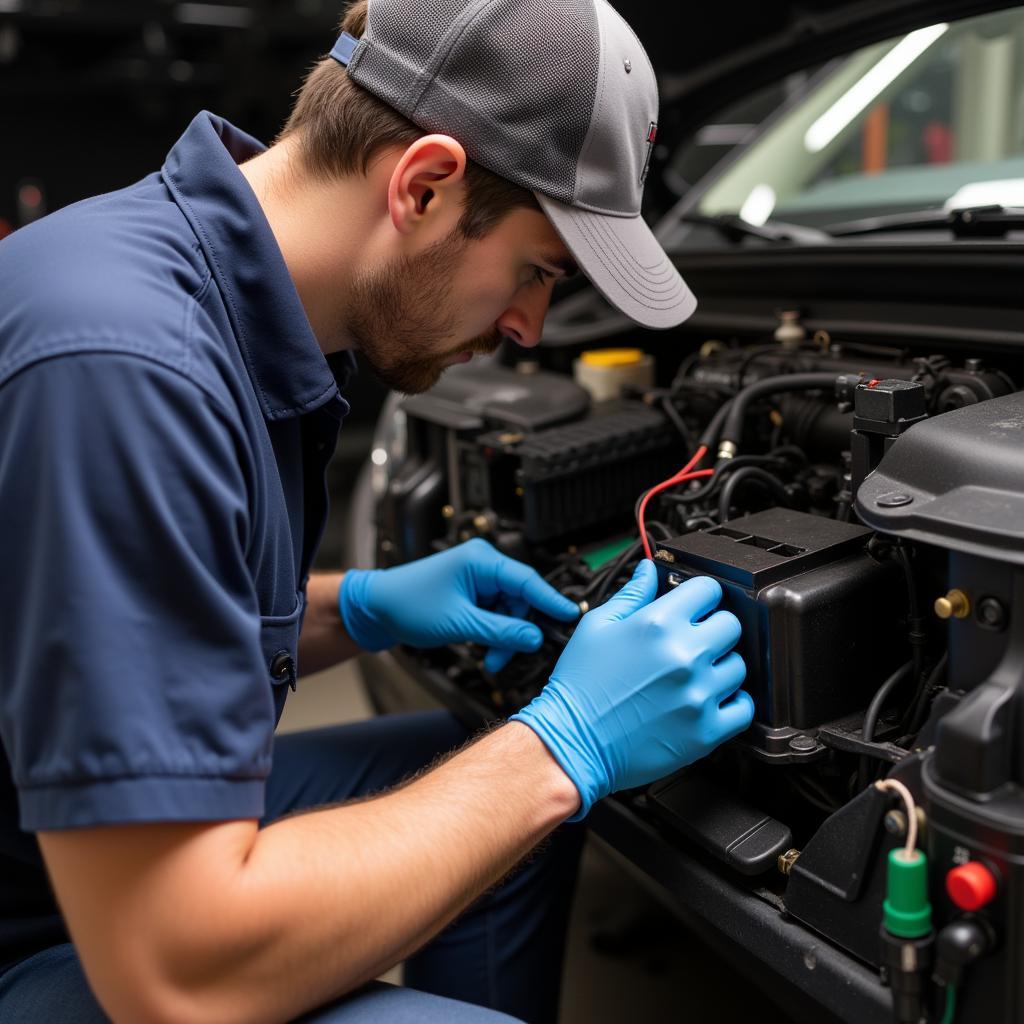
[[131, 685]]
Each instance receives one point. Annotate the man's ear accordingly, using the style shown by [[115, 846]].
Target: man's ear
[[427, 182]]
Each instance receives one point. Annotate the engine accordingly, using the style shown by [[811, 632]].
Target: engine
[[861, 508]]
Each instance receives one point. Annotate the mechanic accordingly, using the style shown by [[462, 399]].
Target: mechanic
[[172, 358]]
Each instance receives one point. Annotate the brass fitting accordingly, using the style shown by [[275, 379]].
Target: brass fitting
[[787, 860], [955, 605]]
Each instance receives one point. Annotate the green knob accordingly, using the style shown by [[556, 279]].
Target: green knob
[[908, 914]]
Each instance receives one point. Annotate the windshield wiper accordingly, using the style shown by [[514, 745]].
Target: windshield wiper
[[735, 229], [970, 222]]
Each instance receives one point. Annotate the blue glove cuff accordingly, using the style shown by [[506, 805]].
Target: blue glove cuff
[[589, 778], [354, 605]]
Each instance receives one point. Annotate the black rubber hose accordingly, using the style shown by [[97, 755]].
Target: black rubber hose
[[743, 475], [732, 429], [710, 436]]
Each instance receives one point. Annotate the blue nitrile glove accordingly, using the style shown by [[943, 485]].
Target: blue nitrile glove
[[643, 688], [470, 593]]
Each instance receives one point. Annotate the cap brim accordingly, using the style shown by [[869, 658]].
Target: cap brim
[[625, 262]]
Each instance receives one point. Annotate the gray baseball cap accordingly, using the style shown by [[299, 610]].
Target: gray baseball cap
[[557, 96]]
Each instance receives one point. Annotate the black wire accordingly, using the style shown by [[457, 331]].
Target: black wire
[[753, 474], [874, 709], [788, 449], [713, 483], [609, 576], [881, 696], [916, 713], [672, 413], [604, 581], [915, 622], [684, 368], [752, 358]]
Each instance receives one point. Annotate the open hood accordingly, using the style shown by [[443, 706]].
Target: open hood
[[708, 55]]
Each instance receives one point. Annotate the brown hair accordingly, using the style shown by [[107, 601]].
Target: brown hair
[[341, 127]]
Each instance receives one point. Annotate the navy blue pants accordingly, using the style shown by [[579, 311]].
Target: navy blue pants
[[504, 954]]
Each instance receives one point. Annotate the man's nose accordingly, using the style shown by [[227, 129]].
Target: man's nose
[[523, 321]]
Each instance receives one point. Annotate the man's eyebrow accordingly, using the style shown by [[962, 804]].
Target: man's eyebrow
[[566, 264]]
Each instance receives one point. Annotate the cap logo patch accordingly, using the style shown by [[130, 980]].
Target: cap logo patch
[[652, 134]]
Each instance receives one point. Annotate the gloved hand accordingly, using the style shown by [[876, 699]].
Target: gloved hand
[[643, 688], [469, 593]]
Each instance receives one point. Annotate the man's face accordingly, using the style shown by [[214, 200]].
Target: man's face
[[418, 315]]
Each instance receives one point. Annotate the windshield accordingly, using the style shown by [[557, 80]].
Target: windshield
[[932, 120]]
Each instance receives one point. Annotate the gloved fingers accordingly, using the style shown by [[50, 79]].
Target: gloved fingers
[[520, 581], [501, 631], [728, 675], [497, 658], [515, 606], [694, 598], [639, 592], [735, 715], [719, 633]]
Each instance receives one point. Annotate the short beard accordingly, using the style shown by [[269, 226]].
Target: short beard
[[404, 310]]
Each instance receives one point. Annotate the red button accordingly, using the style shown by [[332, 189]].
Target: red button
[[971, 885]]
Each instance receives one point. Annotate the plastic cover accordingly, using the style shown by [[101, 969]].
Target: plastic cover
[[956, 481]]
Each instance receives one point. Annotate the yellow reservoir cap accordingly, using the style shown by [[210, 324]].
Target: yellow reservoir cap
[[608, 357]]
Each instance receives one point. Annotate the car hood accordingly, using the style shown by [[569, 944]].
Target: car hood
[[708, 55]]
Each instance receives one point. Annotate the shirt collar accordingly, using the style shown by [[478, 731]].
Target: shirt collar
[[289, 372]]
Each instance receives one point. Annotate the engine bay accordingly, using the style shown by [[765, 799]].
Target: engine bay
[[784, 467]]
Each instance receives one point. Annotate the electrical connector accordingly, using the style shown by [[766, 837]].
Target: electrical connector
[[906, 932]]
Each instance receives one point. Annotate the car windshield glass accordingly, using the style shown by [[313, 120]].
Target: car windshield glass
[[932, 120]]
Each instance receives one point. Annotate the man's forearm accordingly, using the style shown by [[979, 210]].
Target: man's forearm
[[288, 918], [324, 641], [374, 881]]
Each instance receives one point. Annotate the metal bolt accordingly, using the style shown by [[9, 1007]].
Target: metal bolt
[[448, 512], [510, 438], [584, 607], [955, 605], [895, 823], [991, 613], [803, 743], [973, 365], [482, 523], [787, 860]]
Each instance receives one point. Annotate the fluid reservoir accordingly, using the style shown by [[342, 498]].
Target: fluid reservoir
[[605, 371]]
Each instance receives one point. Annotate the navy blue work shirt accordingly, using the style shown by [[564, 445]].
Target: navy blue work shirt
[[166, 416]]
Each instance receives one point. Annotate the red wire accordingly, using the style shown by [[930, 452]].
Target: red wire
[[680, 478]]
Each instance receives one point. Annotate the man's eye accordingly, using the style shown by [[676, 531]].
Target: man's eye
[[541, 276]]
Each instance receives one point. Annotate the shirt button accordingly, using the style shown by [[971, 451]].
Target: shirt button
[[282, 668]]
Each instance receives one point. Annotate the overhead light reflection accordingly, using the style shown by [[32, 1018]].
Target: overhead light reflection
[[883, 74], [758, 206]]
